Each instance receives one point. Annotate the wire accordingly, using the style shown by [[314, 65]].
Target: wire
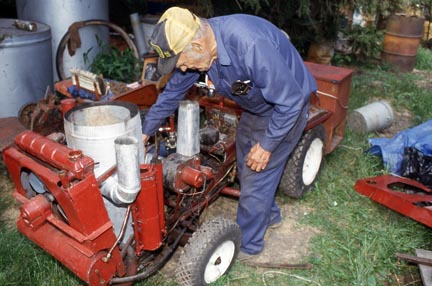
[[122, 231], [289, 275]]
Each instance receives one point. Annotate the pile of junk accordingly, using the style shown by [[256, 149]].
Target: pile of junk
[[407, 188]]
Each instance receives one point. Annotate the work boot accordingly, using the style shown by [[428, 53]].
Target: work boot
[[243, 256], [275, 225]]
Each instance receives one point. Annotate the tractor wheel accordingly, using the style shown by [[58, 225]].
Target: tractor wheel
[[304, 163], [209, 254]]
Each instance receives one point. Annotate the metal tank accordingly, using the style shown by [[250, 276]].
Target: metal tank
[[59, 15], [25, 65]]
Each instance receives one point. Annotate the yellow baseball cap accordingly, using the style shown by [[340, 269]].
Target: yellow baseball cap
[[172, 33]]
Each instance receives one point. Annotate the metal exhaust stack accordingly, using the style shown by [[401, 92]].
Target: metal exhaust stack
[[125, 189], [188, 143]]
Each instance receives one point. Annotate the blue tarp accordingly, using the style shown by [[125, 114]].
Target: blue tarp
[[392, 149], [85, 94]]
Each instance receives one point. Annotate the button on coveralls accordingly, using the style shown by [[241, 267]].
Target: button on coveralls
[[252, 49]]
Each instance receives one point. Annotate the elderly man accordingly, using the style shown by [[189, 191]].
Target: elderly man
[[252, 62]]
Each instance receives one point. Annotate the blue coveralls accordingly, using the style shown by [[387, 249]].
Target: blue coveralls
[[252, 49]]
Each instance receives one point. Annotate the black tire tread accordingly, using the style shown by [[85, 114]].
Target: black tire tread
[[291, 183], [201, 245]]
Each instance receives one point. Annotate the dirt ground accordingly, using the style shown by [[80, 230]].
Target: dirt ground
[[288, 244]]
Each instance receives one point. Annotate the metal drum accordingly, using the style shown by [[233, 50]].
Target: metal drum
[[402, 38], [59, 15], [25, 65]]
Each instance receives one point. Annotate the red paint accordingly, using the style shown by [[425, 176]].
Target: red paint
[[67, 104], [80, 240], [389, 191], [148, 210]]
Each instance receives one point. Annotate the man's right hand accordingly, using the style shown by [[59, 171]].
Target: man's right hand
[[145, 138]]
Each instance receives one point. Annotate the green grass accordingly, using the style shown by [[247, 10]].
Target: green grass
[[358, 238], [424, 59]]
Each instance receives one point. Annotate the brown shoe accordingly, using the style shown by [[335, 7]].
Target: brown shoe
[[242, 256], [275, 225]]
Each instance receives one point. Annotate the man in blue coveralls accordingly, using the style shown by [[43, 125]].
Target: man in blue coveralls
[[252, 62]]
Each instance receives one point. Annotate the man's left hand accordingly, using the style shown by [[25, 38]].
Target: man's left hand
[[258, 158]]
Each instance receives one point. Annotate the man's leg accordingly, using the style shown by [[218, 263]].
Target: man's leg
[[257, 207]]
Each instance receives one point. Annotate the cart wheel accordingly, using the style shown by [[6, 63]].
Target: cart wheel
[[304, 163], [25, 113], [210, 253], [66, 37]]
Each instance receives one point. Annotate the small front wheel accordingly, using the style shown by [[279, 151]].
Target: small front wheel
[[210, 253]]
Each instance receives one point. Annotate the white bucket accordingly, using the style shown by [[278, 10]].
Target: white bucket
[[372, 117]]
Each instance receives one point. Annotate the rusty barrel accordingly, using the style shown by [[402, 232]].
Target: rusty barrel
[[402, 38]]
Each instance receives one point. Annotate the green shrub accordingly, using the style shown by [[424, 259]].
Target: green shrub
[[423, 59], [365, 43], [115, 64]]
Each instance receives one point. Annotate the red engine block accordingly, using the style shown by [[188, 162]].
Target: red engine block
[[71, 223]]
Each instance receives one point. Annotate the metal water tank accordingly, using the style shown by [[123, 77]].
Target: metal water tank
[[59, 15], [25, 65]]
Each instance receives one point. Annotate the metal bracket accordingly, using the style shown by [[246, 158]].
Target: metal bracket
[[400, 194]]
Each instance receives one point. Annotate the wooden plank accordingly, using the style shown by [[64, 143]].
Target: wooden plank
[[425, 271]]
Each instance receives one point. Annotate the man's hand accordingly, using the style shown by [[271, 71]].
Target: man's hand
[[145, 138], [258, 158]]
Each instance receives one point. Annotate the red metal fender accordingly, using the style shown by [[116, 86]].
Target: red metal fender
[[391, 191]]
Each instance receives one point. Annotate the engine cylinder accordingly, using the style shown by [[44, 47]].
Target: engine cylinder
[[188, 140]]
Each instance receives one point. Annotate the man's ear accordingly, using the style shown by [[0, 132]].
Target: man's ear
[[197, 46]]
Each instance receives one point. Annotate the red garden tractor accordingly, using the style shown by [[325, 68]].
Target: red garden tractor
[[113, 212]]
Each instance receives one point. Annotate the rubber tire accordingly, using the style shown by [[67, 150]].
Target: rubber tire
[[202, 245], [293, 182]]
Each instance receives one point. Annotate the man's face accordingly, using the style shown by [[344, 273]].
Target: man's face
[[194, 59]]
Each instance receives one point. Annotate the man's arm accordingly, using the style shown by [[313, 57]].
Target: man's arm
[[280, 84], [168, 101]]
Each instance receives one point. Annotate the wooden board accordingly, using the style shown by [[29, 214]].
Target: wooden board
[[425, 271]]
